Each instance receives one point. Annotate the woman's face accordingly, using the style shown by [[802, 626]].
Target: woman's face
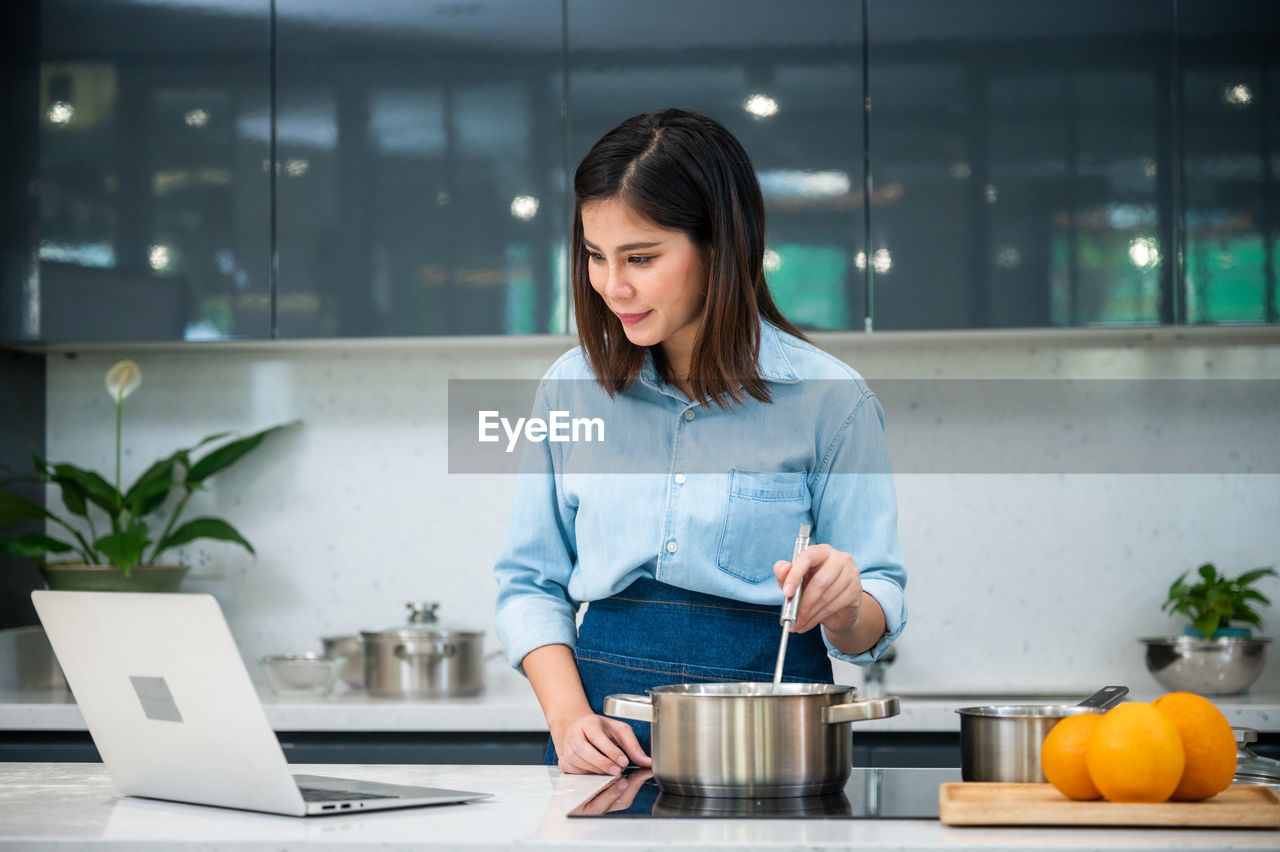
[[652, 279]]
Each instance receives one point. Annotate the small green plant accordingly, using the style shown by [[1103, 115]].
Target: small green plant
[[141, 516], [1217, 601]]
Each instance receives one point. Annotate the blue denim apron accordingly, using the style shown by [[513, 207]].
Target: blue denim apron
[[652, 634]]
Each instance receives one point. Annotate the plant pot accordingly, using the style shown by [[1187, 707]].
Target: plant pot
[[78, 577], [1243, 632]]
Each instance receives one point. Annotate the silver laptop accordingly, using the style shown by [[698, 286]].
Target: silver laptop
[[174, 715]]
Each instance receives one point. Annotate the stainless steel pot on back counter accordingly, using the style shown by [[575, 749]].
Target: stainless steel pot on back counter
[[423, 659]]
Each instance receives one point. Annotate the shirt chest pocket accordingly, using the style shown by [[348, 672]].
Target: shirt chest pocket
[[765, 513]]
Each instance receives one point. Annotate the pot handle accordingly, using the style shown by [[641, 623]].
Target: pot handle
[[636, 707], [439, 649], [861, 711]]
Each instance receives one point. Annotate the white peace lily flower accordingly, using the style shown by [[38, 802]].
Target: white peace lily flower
[[123, 378]]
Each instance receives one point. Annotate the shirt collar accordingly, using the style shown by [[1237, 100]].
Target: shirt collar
[[773, 362]]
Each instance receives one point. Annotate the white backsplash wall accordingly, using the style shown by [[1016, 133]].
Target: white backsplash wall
[[1017, 582]]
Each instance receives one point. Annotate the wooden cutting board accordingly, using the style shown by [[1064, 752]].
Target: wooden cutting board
[[984, 803]]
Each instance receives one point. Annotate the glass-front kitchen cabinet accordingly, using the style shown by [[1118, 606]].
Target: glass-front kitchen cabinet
[[788, 82], [153, 187], [420, 168], [300, 169]]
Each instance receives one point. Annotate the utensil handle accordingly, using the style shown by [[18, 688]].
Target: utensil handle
[[791, 606], [1106, 697], [636, 707], [862, 710]]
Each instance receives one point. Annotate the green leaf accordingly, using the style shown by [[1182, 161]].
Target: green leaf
[[1207, 624], [204, 528], [1255, 575], [96, 489], [150, 489], [125, 547], [41, 465], [15, 509], [33, 544], [73, 496], [1208, 572], [1251, 595], [1248, 617], [229, 454]]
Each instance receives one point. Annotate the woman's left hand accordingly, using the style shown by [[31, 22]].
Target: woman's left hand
[[831, 594]]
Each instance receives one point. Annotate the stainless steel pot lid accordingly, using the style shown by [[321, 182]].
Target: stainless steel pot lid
[[422, 622]]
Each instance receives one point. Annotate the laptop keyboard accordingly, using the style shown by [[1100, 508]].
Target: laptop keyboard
[[315, 794]]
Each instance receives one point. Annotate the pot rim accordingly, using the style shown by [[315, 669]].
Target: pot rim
[[1202, 642], [1027, 711], [750, 689], [110, 566]]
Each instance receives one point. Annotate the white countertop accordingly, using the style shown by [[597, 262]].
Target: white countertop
[[74, 806], [508, 704]]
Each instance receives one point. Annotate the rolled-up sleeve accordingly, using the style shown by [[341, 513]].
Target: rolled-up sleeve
[[855, 509], [533, 604]]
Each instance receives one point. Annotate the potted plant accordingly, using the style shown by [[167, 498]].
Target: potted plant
[[141, 520], [1217, 655], [1217, 605]]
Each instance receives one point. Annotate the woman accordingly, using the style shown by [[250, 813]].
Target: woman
[[725, 431]]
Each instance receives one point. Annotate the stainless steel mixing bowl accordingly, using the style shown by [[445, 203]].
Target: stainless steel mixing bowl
[[1226, 665]]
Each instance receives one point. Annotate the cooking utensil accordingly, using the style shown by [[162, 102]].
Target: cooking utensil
[[1224, 665], [1002, 742], [727, 740], [423, 659], [790, 606], [353, 649]]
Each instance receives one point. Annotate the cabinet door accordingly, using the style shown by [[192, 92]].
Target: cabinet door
[[786, 79], [1230, 75], [1021, 156], [419, 170], [154, 193]]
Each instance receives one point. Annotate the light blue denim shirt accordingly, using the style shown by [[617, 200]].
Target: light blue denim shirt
[[697, 496]]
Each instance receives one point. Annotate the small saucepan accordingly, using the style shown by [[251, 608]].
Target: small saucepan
[[1002, 742]]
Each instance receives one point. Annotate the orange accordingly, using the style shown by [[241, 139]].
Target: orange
[[1136, 754], [1062, 756], [1209, 744]]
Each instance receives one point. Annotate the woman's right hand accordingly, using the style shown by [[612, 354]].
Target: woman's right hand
[[591, 744]]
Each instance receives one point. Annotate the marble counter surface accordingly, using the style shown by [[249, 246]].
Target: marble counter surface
[[508, 704], [72, 806]]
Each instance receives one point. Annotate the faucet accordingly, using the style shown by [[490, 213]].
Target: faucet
[[873, 675]]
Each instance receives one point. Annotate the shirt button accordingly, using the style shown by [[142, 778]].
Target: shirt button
[[679, 479], [689, 415], [672, 547]]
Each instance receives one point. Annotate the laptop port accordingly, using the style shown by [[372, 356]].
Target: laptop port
[[327, 807], [346, 806]]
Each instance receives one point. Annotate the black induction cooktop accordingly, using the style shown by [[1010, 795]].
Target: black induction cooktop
[[887, 793]]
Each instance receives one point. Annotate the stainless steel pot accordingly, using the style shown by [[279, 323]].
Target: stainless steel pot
[[353, 649], [1001, 742], [422, 659], [728, 740]]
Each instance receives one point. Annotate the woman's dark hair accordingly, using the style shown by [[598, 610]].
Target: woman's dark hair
[[683, 172]]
